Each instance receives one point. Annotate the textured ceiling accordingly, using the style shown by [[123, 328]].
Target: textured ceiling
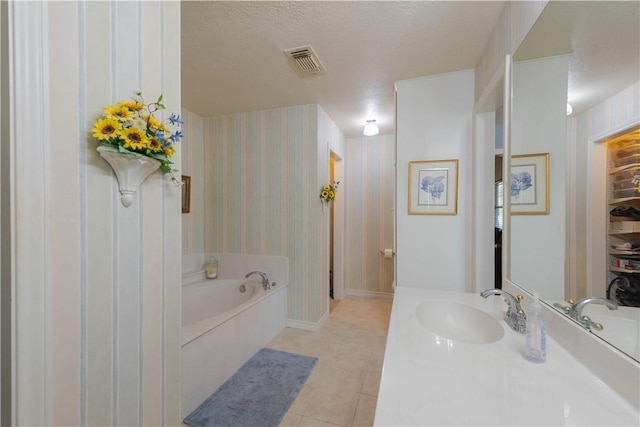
[[603, 39], [233, 60]]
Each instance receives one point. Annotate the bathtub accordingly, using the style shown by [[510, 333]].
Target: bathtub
[[222, 328]]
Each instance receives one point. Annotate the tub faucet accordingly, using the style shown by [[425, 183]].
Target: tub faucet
[[265, 279], [515, 316], [575, 312]]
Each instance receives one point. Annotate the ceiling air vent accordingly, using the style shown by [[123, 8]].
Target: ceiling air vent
[[305, 61]]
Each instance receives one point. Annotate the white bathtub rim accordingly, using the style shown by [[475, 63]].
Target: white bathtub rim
[[194, 331]]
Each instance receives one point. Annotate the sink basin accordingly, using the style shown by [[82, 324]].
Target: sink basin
[[459, 322]]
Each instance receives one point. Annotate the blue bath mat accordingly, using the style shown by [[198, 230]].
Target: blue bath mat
[[259, 394]]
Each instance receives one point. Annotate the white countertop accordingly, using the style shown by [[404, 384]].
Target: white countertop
[[428, 380]]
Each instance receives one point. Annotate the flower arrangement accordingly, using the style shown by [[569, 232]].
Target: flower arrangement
[[328, 192], [129, 127]]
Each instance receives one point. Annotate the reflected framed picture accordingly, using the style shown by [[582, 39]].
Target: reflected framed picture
[[433, 187], [529, 184], [186, 193]]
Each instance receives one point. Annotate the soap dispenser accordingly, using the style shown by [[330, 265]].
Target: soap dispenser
[[211, 268], [536, 346]]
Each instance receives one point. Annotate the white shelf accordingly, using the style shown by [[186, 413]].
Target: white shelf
[[623, 252], [620, 177], [624, 168], [626, 201], [623, 233], [622, 270]]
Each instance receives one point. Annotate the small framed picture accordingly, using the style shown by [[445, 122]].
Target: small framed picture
[[529, 184], [433, 187], [186, 193]]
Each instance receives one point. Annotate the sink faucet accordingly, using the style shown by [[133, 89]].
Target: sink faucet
[[515, 316], [265, 279], [575, 311]]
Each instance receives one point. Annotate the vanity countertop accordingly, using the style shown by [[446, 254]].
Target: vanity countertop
[[428, 380]]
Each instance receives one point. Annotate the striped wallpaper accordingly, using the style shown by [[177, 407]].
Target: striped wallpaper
[[263, 171], [369, 189], [265, 216], [514, 23], [97, 285], [193, 165]]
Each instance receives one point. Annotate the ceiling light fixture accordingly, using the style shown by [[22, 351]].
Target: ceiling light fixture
[[371, 129]]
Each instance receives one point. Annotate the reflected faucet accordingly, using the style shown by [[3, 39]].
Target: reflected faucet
[[575, 311], [515, 316], [265, 279]]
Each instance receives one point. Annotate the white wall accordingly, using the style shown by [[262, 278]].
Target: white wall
[[96, 285], [514, 23], [538, 125], [433, 123]]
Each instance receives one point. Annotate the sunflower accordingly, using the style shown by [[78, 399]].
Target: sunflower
[[131, 105], [168, 151], [324, 194], [154, 123], [118, 112], [154, 144], [332, 195], [134, 139], [104, 129]]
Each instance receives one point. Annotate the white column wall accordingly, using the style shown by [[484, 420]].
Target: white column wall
[[433, 123], [538, 125]]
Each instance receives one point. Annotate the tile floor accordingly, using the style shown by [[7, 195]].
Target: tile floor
[[342, 390]]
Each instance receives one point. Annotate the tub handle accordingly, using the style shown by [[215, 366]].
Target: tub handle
[[242, 289], [273, 284]]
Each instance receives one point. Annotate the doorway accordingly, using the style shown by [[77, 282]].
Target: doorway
[[336, 232], [498, 198]]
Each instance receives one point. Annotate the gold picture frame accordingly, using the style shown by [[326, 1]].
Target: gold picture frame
[[433, 187], [529, 184], [186, 193]]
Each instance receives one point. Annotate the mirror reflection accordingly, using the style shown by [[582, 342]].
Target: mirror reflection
[[575, 149]]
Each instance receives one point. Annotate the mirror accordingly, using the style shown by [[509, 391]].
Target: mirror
[[581, 53]]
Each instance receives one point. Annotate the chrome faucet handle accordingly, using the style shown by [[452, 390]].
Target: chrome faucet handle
[[566, 310], [576, 311], [515, 316], [587, 323], [265, 279]]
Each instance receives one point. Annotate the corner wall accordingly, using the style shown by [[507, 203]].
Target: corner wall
[[97, 285], [6, 254], [263, 172]]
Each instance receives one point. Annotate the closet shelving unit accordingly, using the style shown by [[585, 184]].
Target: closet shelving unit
[[623, 161]]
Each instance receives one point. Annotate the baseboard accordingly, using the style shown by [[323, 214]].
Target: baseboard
[[368, 294], [307, 326]]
